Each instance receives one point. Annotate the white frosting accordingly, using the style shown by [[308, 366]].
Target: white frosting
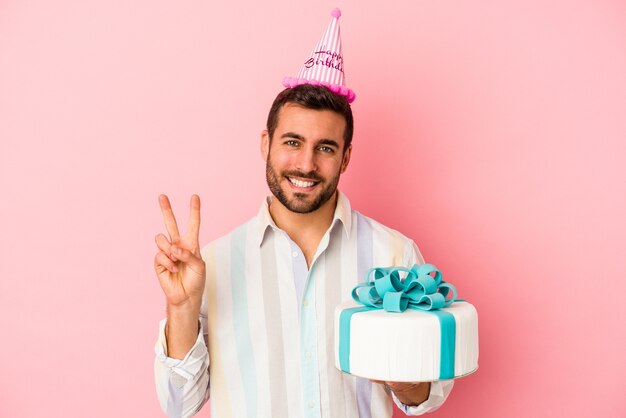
[[406, 347]]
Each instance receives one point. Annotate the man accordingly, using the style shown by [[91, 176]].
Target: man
[[265, 294]]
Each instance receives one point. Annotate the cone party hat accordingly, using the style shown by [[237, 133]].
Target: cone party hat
[[324, 66]]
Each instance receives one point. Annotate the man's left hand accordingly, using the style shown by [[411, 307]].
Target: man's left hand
[[408, 393]]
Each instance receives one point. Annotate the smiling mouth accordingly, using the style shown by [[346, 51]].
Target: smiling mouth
[[303, 184]]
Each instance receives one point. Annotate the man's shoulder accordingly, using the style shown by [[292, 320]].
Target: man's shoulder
[[386, 241], [377, 227], [357, 220], [229, 236]]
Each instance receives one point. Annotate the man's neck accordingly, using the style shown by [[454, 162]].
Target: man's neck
[[305, 229]]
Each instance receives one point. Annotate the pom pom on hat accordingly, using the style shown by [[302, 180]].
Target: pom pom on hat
[[336, 13]]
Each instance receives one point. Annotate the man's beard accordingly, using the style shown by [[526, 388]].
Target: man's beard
[[299, 203]]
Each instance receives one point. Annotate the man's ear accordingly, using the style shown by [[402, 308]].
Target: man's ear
[[346, 159], [265, 144]]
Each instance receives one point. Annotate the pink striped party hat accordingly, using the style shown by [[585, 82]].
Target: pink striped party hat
[[324, 66]]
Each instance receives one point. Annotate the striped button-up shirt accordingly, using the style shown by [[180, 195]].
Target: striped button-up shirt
[[268, 322]]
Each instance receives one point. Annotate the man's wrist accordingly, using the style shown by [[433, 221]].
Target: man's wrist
[[184, 310], [182, 318]]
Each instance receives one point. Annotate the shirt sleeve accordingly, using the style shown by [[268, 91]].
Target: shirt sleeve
[[182, 385], [439, 392], [412, 255]]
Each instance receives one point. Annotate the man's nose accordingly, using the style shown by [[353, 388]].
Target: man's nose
[[306, 160]]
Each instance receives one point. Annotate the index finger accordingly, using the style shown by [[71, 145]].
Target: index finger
[[193, 230], [168, 217]]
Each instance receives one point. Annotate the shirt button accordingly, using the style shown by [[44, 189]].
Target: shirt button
[[295, 254], [305, 302], [307, 354], [311, 405]]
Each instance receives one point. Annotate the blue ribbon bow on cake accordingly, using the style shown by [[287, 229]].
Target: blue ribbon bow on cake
[[418, 290]]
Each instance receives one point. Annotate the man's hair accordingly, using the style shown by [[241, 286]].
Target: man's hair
[[316, 98]]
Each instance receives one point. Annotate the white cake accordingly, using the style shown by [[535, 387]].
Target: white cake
[[406, 347]]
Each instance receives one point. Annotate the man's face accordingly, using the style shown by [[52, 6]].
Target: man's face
[[305, 157]]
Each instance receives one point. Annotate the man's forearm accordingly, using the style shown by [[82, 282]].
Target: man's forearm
[[181, 330]]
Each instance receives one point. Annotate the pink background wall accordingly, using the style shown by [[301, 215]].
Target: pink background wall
[[492, 132]]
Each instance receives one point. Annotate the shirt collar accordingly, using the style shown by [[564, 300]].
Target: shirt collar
[[343, 214]]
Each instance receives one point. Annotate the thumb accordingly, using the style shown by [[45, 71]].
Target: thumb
[[188, 258]]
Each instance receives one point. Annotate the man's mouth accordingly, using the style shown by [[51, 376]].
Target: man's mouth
[[302, 184]]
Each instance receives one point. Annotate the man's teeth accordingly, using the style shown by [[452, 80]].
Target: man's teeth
[[300, 183]]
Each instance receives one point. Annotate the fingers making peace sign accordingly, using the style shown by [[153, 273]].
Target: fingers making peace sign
[[178, 264]]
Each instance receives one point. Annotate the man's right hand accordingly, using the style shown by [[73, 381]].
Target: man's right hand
[[181, 273], [178, 264]]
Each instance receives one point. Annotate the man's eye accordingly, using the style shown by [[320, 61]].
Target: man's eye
[[326, 149], [292, 143]]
